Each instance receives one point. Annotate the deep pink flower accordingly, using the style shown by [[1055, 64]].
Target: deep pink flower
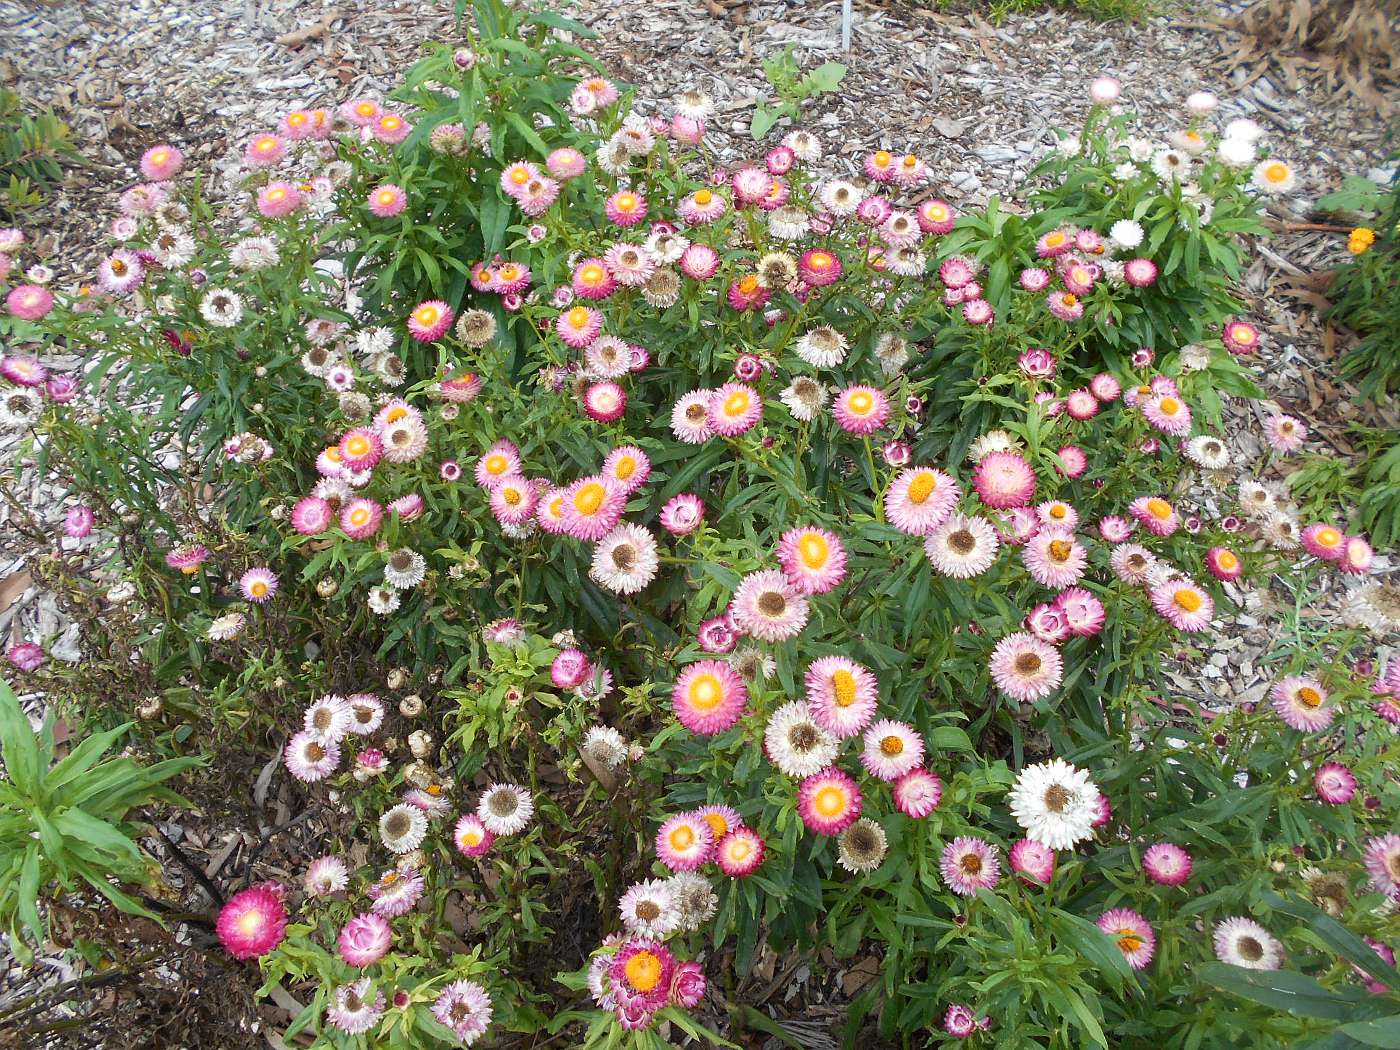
[[253, 922]]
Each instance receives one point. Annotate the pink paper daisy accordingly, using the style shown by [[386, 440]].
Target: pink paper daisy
[[861, 409], [430, 321], [917, 793], [685, 842], [969, 864], [813, 560], [1302, 703], [1335, 783], [1132, 933], [891, 749], [1003, 480], [258, 585], [1166, 864], [1025, 668], [829, 801], [740, 852], [733, 409], [841, 695], [252, 922], [1182, 604], [709, 697], [1033, 859]]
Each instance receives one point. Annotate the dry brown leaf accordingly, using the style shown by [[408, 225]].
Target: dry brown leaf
[[12, 587], [297, 37]]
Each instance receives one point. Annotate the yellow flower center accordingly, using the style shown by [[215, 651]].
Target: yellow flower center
[[276, 194], [387, 197], [160, 156], [366, 109], [643, 971], [843, 684], [258, 588], [359, 516], [892, 745], [1159, 509], [861, 402], [1060, 550], [938, 213], [1227, 560], [512, 496], [578, 317], [882, 159], [921, 488], [556, 507], [737, 403], [471, 837], [1055, 239], [267, 145], [296, 120], [718, 824], [820, 261], [427, 315], [497, 464], [1328, 537], [1129, 941], [626, 467], [592, 274], [706, 692], [589, 498], [681, 838], [249, 923], [510, 272], [357, 446], [1276, 172], [814, 550], [911, 161], [189, 570], [830, 801], [748, 284], [1241, 333], [395, 414], [1310, 696], [1187, 599], [703, 197], [739, 850], [1170, 406], [1069, 298], [391, 123], [625, 202], [118, 267], [1058, 511]]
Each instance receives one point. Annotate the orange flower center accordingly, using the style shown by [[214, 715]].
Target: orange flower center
[[843, 684], [1187, 599], [706, 692]]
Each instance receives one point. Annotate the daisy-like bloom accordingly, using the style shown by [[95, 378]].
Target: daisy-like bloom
[[709, 697], [391, 129], [593, 507], [685, 841], [1182, 604], [1125, 234], [1168, 413], [220, 307], [795, 743], [819, 267], [505, 808], [387, 200], [917, 793], [722, 819], [959, 1021], [1034, 279], [120, 272], [1224, 564], [977, 312], [891, 749], [1240, 337], [862, 846], [258, 584], [500, 461], [465, 1008], [804, 398], [969, 864], [1033, 861], [1208, 452], [841, 695], [187, 558], [1132, 563], [631, 264], [277, 200], [264, 151], [328, 719], [700, 262], [1054, 244], [325, 876], [513, 500], [1004, 480], [767, 607], [822, 347], [1357, 556], [1055, 558], [1273, 177], [396, 892], [23, 371], [360, 449], [962, 547], [312, 516], [1285, 433], [161, 163], [682, 514], [829, 801], [605, 746], [402, 827], [1065, 305], [1140, 273], [701, 207], [1025, 668], [625, 560], [648, 909], [1301, 702], [360, 518], [861, 409], [1155, 514], [405, 569], [355, 1007], [579, 326], [733, 409], [1335, 783], [1243, 942], [227, 627], [1133, 934], [1166, 864], [1081, 405], [626, 208], [628, 466], [920, 499], [812, 559], [1055, 803], [936, 217], [1083, 612], [471, 836], [253, 922], [1324, 541], [1382, 858], [604, 402], [593, 280], [690, 417], [430, 321]]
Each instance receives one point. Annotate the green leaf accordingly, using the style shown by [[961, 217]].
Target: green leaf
[[1383, 1032], [1285, 990], [826, 77]]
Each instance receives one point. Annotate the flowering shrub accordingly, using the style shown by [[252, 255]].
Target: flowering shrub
[[643, 563]]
